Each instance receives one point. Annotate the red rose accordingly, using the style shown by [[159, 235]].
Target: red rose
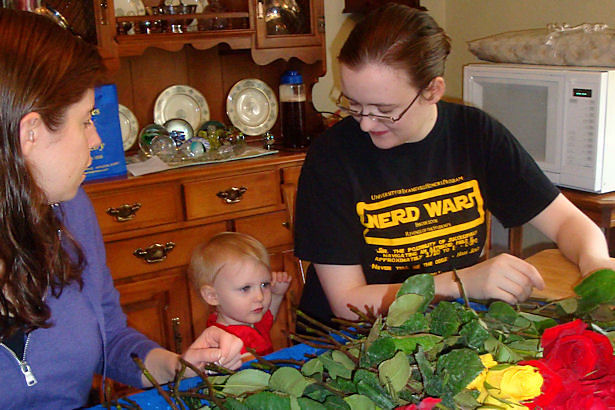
[[552, 387], [585, 353], [427, 404], [581, 400]]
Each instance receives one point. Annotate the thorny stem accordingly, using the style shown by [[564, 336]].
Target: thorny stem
[[176, 382], [288, 361], [153, 381], [212, 393], [261, 359], [300, 339], [323, 336], [339, 347], [362, 316], [328, 329]]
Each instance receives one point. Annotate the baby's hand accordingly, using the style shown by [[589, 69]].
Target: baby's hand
[[280, 281]]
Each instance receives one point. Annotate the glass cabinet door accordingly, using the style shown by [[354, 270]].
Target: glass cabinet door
[[289, 23]]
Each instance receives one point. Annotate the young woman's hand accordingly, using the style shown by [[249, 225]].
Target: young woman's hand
[[217, 346], [280, 281], [503, 277]]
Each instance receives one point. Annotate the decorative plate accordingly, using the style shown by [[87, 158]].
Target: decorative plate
[[129, 126], [252, 106], [129, 8], [181, 101]]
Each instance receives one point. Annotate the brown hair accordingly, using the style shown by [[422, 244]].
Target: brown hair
[[400, 37], [209, 257], [43, 69]]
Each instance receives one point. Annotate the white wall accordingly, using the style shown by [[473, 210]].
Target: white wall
[[463, 20]]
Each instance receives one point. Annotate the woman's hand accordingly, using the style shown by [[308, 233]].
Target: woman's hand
[[217, 346], [503, 277]]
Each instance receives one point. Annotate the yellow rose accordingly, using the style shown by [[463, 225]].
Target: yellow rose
[[477, 383], [514, 383]]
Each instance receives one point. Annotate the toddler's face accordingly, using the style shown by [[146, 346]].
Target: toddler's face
[[244, 292]]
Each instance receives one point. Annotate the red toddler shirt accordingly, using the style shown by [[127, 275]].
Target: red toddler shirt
[[257, 337]]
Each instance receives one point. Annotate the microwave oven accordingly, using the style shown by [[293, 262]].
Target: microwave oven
[[563, 116]]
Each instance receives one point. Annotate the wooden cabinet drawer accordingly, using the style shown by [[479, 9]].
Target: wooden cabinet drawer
[[137, 207], [271, 228], [203, 198], [123, 262]]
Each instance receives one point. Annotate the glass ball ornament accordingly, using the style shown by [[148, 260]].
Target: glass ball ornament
[[164, 147], [146, 136]]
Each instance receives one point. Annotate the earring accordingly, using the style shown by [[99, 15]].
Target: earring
[[31, 136]]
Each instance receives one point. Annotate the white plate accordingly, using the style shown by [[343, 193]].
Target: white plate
[[129, 8], [129, 126], [252, 106], [181, 101]]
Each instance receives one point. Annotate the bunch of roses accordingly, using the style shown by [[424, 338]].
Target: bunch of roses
[[577, 371], [578, 368]]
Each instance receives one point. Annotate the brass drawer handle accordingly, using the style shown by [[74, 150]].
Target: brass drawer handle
[[154, 253], [124, 213], [232, 195]]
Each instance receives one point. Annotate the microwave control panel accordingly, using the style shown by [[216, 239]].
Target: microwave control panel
[[582, 121]]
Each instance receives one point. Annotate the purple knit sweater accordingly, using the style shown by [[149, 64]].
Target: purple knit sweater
[[89, 333]]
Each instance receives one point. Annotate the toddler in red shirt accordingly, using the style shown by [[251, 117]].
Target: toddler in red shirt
[[231, 271]]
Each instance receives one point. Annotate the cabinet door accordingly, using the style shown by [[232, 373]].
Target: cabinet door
[[278, 26], [157, 308]]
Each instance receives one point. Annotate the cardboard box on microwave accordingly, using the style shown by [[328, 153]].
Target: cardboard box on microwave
[[108, 159]]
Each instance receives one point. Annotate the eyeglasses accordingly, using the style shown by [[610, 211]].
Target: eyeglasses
[[344, 104]]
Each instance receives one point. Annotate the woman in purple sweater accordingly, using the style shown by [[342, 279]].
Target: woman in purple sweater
[[60, 318]]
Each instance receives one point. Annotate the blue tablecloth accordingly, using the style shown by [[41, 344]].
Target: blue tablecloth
[[150, 399]]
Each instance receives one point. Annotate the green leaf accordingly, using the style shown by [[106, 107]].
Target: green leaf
[[374, 332], [249, 380], [267, 400], [431, 383], [395, 371], [234, 404], [335, 368], [309, 404], [569, 306], [595, 289], [458, 368], [336, 403], [345, 385], [382, 349], [422, 284], [288, 380], [342, 359], [444, 319], [474, 335], [408, 344], [503, 312], [317, 392], [416, 323], [403, 307], [360, 402], [312, 367], [466, 399], [376, 394]]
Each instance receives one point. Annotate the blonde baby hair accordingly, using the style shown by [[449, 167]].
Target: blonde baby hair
[[209, 257]]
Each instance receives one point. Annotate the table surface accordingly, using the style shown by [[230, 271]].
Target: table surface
[[559, 273]]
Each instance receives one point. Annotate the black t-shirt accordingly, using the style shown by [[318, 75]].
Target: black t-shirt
[[415, 208]]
